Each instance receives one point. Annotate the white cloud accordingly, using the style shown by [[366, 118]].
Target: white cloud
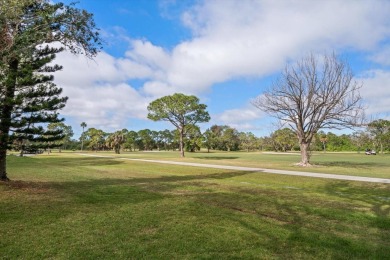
[[376, 91], [234, 116], [233, 39], [98, 92], [243, 119], [382, 56], [254, 38], [146, 53]]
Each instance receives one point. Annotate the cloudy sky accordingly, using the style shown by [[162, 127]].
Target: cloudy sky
[[225, 52]]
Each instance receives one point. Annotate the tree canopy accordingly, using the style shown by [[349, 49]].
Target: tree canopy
[[180, 110], [31, 33]]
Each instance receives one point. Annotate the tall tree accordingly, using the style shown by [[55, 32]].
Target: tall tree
[[25, 33], [83, 125], [37, 100], [313, 94], [180, 110]]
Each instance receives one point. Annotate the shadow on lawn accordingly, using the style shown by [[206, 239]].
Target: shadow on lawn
[[377, 195], [85, 161], [349, 164], [283, 226], [286, 223], [217, 157], [123, 190], [302, 222], [377, 198]]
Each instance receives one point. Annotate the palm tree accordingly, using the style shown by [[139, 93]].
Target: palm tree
[[83, 125]]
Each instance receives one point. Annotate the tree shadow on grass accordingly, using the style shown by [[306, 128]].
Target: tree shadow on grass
[[312, 229], [109, 186], [247, 208], [290, 229], [61, 161], [375, 196]]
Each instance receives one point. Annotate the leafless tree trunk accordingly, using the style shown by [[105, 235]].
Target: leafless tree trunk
[[313, 94]]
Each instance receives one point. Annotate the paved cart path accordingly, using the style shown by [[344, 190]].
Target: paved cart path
[[255, 169]]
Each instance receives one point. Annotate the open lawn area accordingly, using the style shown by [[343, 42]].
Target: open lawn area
[[355, 164], [68, 206]]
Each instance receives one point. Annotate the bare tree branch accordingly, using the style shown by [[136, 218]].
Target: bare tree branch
[[314, 93]]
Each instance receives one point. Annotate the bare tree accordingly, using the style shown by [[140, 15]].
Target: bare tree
[[312, 94]]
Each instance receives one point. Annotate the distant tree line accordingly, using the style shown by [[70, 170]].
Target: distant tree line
[[219, 137]]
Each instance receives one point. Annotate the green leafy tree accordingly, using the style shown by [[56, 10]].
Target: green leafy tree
[[314, 94], [230, 139], [36, 101], [95, 139], [215, 137], [167, 139], [26, 29], [248, 141], [116, 140], [339, 143], [157, 138], [146, 141], [208, 139], [180, 110], [380, 130], [67, 132], [284, 139], [193, 138], [131, 140]]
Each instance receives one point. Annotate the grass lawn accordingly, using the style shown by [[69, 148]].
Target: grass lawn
[[355, 164], [65, 206]]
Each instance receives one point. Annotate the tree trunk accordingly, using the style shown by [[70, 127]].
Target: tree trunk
[[305, 156], [6, 111], [181, 143], [3, 165]]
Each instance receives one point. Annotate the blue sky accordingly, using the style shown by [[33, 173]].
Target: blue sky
[[225, 52]]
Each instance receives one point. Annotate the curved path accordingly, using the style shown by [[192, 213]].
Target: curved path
[[255, 169]]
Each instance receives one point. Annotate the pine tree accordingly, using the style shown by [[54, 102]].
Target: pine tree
[[37, 101], [28, 97]]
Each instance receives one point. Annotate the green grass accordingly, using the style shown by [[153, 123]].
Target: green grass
[[65, 206], [355, 164]]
